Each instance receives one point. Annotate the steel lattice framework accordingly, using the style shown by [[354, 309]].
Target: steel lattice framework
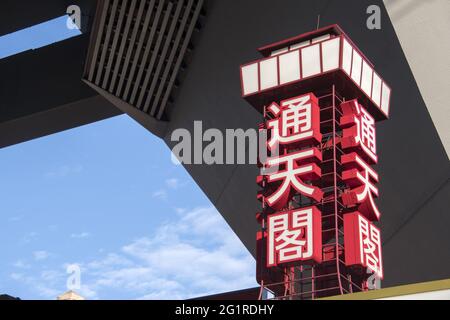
[[332, 276]]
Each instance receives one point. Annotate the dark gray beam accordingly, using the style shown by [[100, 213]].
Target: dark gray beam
[[60, 118], [42, 93]]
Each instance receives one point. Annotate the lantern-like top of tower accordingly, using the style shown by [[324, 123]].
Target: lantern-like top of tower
[[314, 61]]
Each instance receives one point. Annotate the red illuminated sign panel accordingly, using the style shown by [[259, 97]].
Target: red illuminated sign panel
[[361, 178], [296, 120], [362, 243], [297, 167], [295, 123], [294, 236], [359, 130]]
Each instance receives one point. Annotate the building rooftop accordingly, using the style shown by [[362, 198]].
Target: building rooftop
[[70, 295]]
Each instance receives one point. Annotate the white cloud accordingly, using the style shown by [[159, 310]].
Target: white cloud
[[195, 255], [15, 218], [82, 235], [160, 194], [180, 211], [51, 275], [16, 276], [40, 255], [49, 284], [21, 264], [45, 288], [86, 292], [111, 260], [29, 237], [64, 171], [173, 183]]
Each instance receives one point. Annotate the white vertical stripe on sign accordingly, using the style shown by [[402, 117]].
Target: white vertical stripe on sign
[[386, 95], [268, 73], [311, 60], [347, 56], [376, 90], [289, 67], [356, 67], [330, 54], [250, 78], [366, 80]]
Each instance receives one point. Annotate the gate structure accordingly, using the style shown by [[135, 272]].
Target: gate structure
[[320, 99]]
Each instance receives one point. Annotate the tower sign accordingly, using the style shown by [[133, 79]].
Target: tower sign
[[320, 99]]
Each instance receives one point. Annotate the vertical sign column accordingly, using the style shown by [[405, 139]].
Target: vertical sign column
[[362, 238], [292, 233]]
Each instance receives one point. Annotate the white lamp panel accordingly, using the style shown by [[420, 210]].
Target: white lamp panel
[[356, 67], [250, 78], [347, 52], [330, 54], [376, 89], [386, 95], [268, 73], [311, 60], [366, 80], [289, 67]]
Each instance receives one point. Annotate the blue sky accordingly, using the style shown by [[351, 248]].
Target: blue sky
[[107, 197]]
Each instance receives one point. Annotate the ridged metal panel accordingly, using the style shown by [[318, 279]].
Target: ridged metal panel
[[138, 47]]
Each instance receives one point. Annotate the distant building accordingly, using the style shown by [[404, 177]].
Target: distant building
[[70, 295]]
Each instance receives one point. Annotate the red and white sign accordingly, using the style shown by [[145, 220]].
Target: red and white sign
[[362, 242], [296, 120], [297, 167], [362, 179], [295, 123], [359, 130], [294, 236], [315, 162]]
